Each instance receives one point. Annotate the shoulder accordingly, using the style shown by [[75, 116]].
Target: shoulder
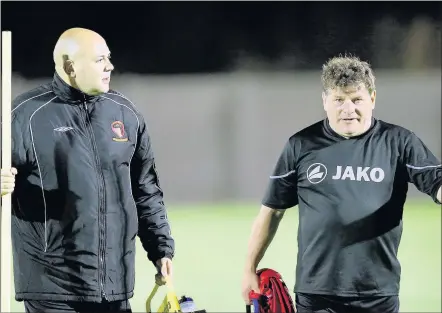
[[25, 104], [297, 140], [394, 128], [394, 131], [124, 101], [314, 129], [120, 99], [307, 133]]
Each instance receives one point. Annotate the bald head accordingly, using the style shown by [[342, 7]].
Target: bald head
[[76, 42], [82, 58]]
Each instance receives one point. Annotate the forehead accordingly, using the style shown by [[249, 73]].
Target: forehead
[[101, 48], [349, 90], [95, 49]]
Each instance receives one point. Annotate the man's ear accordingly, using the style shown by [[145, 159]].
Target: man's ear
[[324, 100], [373, 99], [68, 66]]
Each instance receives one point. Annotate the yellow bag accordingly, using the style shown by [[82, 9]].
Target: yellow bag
[[170, 302]]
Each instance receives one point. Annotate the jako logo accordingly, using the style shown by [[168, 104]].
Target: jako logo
[[375, 174], [316, 173]]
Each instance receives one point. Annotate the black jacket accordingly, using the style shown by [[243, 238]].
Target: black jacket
[[86, 187]]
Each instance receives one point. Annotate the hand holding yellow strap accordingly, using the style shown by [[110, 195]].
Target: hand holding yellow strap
[[170, 302]]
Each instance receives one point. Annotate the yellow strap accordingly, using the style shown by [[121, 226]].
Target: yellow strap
[[170, 302], [149, 299], [171, 296]]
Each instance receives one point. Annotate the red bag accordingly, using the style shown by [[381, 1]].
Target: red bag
[[274, 296]]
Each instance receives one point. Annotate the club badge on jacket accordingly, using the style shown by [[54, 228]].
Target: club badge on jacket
[[118, 129]]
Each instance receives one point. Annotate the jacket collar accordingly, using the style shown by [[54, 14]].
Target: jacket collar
[[70, 94]]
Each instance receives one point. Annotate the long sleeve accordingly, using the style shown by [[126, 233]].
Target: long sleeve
[[154, 228], [19, 151]]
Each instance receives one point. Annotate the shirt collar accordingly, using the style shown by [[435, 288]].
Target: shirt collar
[[329, 130]]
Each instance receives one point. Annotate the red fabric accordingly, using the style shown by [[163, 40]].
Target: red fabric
[[274, 296]]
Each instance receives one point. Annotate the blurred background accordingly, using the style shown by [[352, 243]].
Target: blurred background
[[222, 86]]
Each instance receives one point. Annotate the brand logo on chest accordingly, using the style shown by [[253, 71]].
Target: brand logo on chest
[[317, 172], [375, 174]]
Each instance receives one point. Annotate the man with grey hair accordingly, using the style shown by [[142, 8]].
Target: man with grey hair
[[349, 175]]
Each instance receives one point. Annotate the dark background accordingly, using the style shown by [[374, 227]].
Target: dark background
[[222, 86], [199, 37], [209, 77]]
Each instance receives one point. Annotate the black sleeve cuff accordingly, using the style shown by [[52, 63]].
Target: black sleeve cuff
[[161, 255], [277, 207]]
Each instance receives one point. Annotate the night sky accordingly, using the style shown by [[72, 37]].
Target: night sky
[[194, 37]]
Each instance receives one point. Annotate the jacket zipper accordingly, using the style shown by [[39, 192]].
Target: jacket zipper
[[101, 208]]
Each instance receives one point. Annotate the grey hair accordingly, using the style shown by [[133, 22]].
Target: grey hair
[[344, 71]]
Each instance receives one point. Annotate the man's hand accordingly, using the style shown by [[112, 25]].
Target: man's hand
[[7, 181], [263, 230], [164, 270], [250, 281]]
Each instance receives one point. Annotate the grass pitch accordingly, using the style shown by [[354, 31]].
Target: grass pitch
[[211, 243]]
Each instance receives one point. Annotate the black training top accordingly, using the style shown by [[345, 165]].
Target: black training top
[[351, 194]]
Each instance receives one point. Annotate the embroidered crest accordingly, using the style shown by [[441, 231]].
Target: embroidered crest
[[118, 129]]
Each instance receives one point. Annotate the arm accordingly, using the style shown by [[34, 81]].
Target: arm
[[281, 194], [19, 158], [18, 155], [423, 169], [263, 231], [154, 229]]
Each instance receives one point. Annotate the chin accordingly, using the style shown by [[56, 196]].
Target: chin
[[350, 130], [103, 89]]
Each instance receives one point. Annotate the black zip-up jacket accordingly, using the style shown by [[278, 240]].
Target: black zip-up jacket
[[86, 187]]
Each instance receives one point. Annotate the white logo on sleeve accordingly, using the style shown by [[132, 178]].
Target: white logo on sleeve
[[316, 173]]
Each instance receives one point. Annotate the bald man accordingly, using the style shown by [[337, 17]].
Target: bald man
[[84, 185]]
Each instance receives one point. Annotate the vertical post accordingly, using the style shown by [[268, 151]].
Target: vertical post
[[6, 246]]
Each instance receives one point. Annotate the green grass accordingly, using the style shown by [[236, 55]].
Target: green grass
[[207, 235]]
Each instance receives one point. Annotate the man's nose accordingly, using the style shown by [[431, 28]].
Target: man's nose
[[348, 106], [110, 66]]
